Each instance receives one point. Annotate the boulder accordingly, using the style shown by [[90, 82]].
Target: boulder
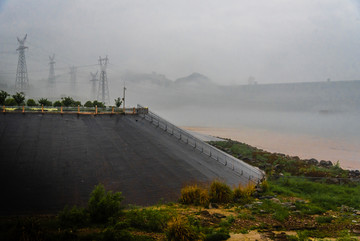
[[312, 161], [324, 163], [219, 215]]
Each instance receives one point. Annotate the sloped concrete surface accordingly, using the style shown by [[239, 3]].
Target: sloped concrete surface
[[48, 161]]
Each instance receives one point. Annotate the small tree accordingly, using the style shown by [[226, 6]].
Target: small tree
[[103, 205], [57, 103], [118, 102], [45, 102], [98, 104], [76, 103], [19, 98], [88, 104], [10, 102], [31, 102], [68, 101], [3, 96]]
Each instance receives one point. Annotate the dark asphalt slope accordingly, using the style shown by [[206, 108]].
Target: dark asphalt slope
[[48, 161]]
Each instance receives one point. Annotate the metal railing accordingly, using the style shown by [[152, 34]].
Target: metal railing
[[253, 174], [78, 109]]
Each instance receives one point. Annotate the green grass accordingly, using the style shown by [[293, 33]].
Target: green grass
[[324, 196], [274, 163]]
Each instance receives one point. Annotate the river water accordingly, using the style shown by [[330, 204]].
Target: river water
[[333, 136]]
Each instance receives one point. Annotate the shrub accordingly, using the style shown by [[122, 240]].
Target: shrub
[[118, 102], [27, 229], [3, 96], [10, 102], [88, 104], [194, 194], [68, 101], [19, 98], [111, 234], [324, 219], [45, 102], [57, 103], [103, 205], [264, 186], [31, 102], [148, 219], [73, 217], [179, 229], [98, 103], [243, 194], [220, 192]]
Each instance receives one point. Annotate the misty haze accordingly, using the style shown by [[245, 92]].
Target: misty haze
[[283, 77]]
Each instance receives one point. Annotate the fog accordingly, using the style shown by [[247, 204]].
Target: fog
[[284, 66]]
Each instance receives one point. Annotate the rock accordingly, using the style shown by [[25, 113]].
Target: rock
[[289, 205], [219, 215], [357, 213], [345, 208], [248, 206], [213, 205], [205, 213], [326, 163], [300, 201], [312, 161], [356, 229], [258, 203], [275, 200], [266, 197], [354, 173], [245, 159]]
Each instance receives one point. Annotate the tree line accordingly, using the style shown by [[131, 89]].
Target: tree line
[[19, 99]]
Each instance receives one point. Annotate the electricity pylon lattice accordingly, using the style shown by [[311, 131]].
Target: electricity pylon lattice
[[51, 79], [103, 91], [22, 80], [93, 87]]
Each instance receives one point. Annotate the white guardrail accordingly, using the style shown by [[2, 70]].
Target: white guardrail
[[253, 174]]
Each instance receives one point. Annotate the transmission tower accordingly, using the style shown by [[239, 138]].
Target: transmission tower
[[22, 80], [51, 79], [103, 91], [93, 87], [73, 78]]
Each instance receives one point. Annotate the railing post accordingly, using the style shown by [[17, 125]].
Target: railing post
[[4, 109], [112, 110], [42, 108], [78, 109], [96, 109], [23, 109], [134, 110], [61, 109]]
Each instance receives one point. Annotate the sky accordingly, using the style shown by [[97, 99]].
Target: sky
[[274, 41]]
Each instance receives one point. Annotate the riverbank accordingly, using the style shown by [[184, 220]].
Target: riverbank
[[305, 146]]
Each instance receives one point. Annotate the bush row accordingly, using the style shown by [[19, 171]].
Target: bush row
[[218, 192]]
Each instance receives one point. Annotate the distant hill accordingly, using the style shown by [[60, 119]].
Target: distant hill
[[194, 79]]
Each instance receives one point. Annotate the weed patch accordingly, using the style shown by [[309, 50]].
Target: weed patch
[[220, 192]]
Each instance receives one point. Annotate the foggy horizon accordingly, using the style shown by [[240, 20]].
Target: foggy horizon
[[230, 42]]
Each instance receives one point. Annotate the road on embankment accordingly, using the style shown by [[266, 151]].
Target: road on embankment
[[48, 161]]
